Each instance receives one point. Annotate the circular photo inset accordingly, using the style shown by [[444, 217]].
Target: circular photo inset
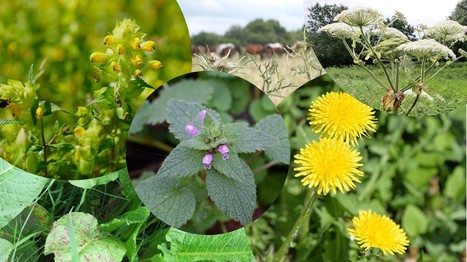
[[208, 152], [73, 76]]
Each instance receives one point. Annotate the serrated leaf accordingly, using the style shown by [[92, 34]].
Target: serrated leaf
[[166, 200], [181, 162], [90, 183], [235, 198], [9, 122], [187, 90], [246, 139], [18, 189], [138, 83], [196, 142], [91, 244], [222, 97], [50, 108], [274, 125], [5, 248], [141, 117], [185, 247], [230, 167]]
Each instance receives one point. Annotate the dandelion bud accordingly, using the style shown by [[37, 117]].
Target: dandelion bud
[[39, 113], [137, 73], [79, 131], [207, 159], [137, 60], [136, 43], [148, 46], [116, 67], [223, 149], [155, 64], [120, 49], [108, 40], [97, 57], [202, 115], [191, 130]]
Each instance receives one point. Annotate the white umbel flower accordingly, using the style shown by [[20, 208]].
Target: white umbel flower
[[360, 17], [448, 31], [340, 30], [427, 48], [390, 32]]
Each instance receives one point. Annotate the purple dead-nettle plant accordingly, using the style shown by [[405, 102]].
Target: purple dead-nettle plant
[[208, 152]]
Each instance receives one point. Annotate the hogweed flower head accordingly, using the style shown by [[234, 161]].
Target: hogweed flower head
[[341, 30], [390, 32], [427, 48], [328, 164], [341, 116], [191, 130], [375, 231], [207, 159], [448, 31], [360, 17]]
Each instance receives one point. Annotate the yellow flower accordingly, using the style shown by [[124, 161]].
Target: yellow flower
[[136, 43], [148, 46], [97, 57], [328, 164], [376, 231], [39, 113], [339, 115], [79, 131], [155, 64], [120, 49], [116, 67], [108, 40], [137, 60]]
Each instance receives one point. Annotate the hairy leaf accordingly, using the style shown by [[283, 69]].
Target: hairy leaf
[[246, 139], [230, 167], [181, 162], [232, 246], [18, 189], [168, 201], [142, 116], [196, 142], [273, 125], [235, 198]]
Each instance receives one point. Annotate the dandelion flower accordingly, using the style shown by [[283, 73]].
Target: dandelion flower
[[341, 116], [328, 164], [360, 17], [340, 30], [375, 231], [427, 48]]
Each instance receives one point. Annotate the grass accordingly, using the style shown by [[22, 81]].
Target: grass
[[447, 88]]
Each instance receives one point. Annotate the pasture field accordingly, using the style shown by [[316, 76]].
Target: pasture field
[[448, 88]]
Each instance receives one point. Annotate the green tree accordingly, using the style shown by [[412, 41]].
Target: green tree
[[400, 23], [460, 13], [329, 50], [205, 38], [261, 32], [235, 35]]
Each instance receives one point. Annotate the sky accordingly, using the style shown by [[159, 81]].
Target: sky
[[217, 16], [427, 12]]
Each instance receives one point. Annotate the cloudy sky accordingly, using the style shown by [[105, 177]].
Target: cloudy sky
[[219, 15]]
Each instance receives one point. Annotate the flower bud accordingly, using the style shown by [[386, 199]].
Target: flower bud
[[39, 113], [223, 149], [116, 67], [191, 130], [79, 131], [137, 60], [120, 49], [207, 159], [155, 64], [108, 40], [136, 43], [137, 73], [97, 57], [148, 46]]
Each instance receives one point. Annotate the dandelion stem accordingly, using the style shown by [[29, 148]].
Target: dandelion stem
[[300, 220]]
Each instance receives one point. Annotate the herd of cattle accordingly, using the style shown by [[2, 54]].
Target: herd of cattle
[[263, 51]]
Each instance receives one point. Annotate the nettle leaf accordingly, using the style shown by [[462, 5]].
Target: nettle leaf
[[274, 125], [188, 90], [5, 248], [196, 142], [170, 202], [142, 116], [90, 244], [232, 246], [244, 139], [181, 162], [18, 189], [230, 167], [181, 113], [235, 198]]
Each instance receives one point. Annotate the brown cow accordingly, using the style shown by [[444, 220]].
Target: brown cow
[[197, 49], [255, 49], [273, 48], [226, 49]]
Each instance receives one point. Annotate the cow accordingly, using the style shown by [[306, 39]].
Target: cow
[[226, 49], [197, 49], [273, 48], [255, 49]]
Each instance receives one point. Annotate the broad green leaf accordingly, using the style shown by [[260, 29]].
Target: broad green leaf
[[414, 221], [5, 248], [18, 189], [246, 139], [168, 201], [273, 125], [91, 244], [197, 142], [181, 162], [221, 98], [131, 217], [455, 185], [232, 246], [50, 108], [141, 117], [198, 91], [90, 183], [235, 198], [230, 167]]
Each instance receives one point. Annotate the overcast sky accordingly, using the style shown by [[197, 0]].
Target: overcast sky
[[218, 16], [427, 12]]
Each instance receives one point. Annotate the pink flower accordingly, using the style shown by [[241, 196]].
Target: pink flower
[[223, 149], [207, 159], [202, 115], [191, 130]]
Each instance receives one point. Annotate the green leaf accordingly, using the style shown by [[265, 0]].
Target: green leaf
[[455, 185], [196, 142], [91, 244], [18, 189], [138, 83], [235, 198], [222, 97], [414, 221], [182, 161], [90, 183], [31, 78], [230, 167], [50, 108], [9, 122], [141, 117], [244, 139], [185, 247], [195, 91], [167, 200], [5, 248], [136, 216], [273, 125], [104, 96]]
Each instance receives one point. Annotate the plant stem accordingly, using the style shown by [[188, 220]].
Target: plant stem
[[264, 167], [44, 144], [413, 104], [298, 223]]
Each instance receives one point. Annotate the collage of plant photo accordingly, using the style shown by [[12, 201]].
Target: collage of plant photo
[[176, 130]]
